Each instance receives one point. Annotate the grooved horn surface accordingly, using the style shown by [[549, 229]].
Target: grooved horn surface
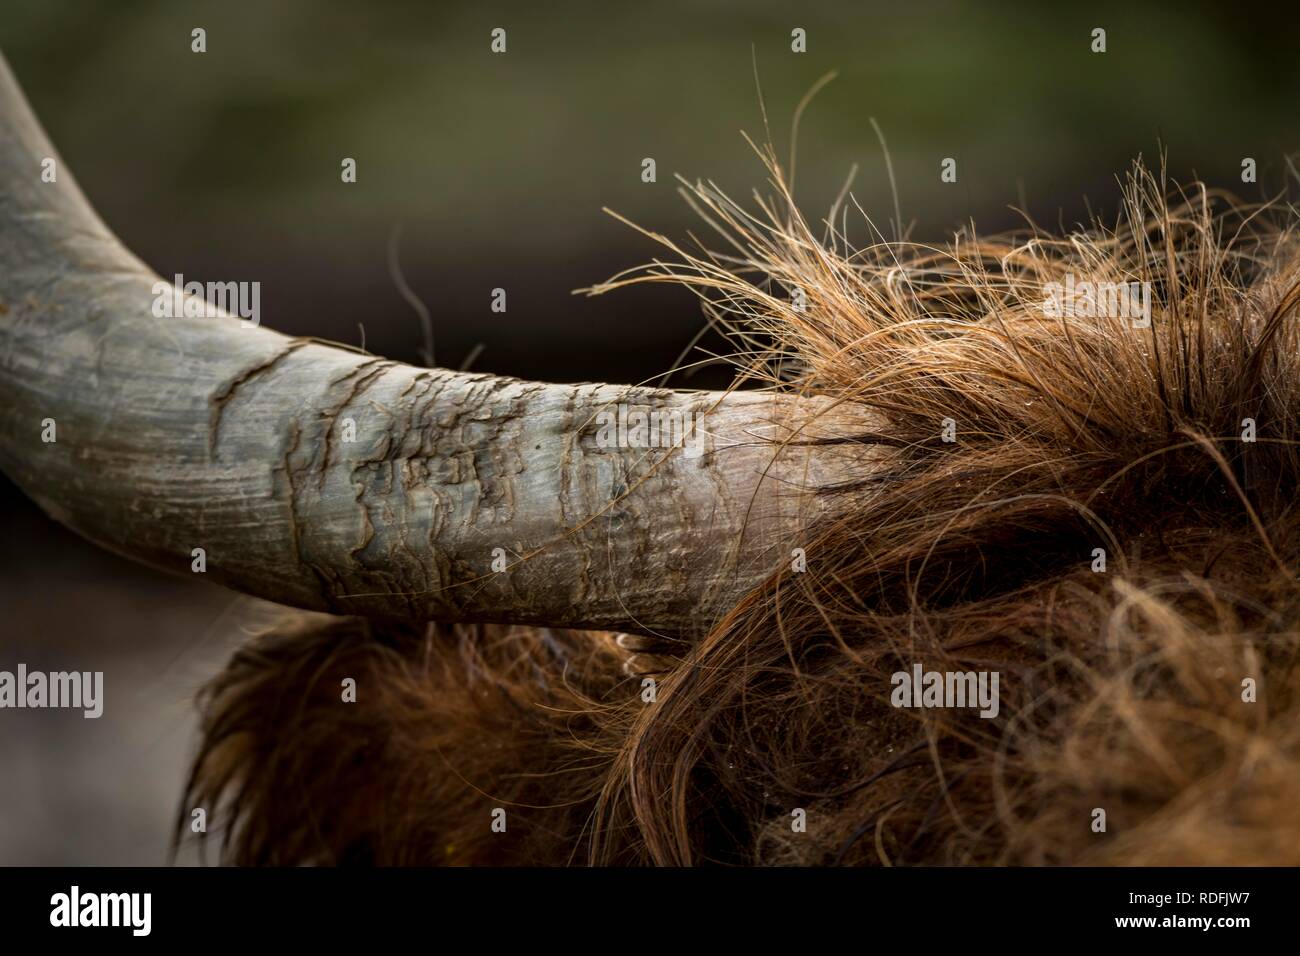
[[327, 479]]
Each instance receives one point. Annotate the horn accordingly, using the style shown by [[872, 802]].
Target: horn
[[331, 480]]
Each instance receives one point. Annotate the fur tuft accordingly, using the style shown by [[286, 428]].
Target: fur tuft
[[1122, 690]]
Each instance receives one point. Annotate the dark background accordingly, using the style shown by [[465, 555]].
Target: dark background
[[225, 166]]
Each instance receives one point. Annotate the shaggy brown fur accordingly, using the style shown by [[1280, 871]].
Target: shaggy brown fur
[[1121, 690]]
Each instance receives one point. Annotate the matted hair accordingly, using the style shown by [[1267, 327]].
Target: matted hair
[[1096, 504]]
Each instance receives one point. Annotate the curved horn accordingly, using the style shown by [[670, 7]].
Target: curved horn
[[337, 481]]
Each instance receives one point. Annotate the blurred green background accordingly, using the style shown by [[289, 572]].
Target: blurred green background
[[225, 166]]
